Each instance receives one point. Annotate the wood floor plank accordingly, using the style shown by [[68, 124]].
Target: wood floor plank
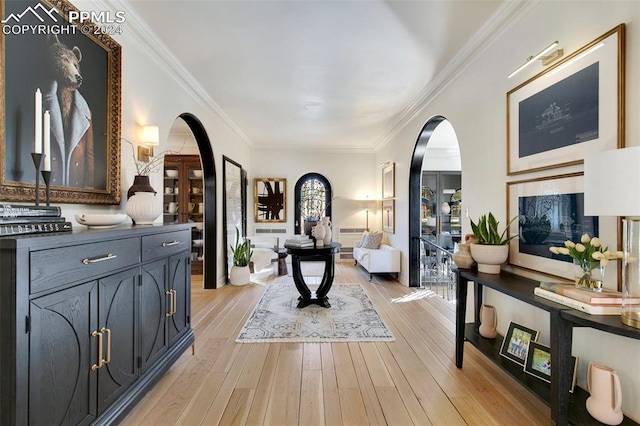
[[311, 401], [412, 380]]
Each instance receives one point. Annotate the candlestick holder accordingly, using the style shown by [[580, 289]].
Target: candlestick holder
[[46, 176], [37, 161]]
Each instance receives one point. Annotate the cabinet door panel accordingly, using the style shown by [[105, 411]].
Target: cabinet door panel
[[179, 281], [118, 312], [153, 307], [62, 386]]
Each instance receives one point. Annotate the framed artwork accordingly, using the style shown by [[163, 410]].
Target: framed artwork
[[270, 200], [571, 110], [85, 152], [388, 216], [516, 342], [389, 180], [538, 363], [234, 201], [550, 211]]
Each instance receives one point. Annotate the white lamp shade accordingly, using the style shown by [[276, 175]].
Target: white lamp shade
[[611, 182], [151, 135]]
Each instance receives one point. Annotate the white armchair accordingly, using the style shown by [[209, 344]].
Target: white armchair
[[385, 259], [265, 255]]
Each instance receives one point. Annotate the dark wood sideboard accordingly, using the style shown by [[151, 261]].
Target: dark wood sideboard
[[90, 320], [566, 407]]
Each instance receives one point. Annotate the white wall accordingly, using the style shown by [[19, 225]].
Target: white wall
[[475, 104]]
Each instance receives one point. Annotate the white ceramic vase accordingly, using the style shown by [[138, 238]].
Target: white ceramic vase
[[489, 257], [326, 222], [143, 208], [605, 402], [239, 275], [318, 233]]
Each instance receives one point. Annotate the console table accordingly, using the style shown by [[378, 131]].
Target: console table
[[566, 407], [319, 297], [90, 320]]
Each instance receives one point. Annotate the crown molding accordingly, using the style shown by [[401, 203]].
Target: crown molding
[[147, 41], [506, 16]]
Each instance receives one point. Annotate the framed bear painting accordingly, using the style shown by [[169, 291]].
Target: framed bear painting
[[60, 80]]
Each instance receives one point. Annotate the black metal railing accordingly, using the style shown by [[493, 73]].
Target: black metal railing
[[437, 269]]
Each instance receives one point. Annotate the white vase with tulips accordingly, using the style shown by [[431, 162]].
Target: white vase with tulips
[[590, 259]]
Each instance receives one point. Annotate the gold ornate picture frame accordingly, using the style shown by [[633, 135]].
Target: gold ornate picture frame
[[85, 155]]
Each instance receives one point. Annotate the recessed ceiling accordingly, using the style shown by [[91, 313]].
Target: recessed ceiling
[[327, 74]]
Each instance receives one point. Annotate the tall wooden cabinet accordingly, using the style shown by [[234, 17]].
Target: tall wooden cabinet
[[184, 187], [89, 320]]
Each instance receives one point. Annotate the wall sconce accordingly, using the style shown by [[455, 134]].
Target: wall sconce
[[546, 60], [150, 138]]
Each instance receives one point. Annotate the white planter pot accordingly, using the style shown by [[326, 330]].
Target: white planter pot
[[239, 275], [489, 258], [144, 208]]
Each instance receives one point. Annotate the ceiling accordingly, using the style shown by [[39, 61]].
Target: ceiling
[[337, 75]]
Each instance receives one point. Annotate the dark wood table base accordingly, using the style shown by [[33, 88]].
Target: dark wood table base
[[318, 297]]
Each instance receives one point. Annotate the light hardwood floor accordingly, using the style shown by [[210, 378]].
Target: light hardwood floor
[[412, 380]]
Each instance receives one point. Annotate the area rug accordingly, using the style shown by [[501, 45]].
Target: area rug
[[351, 318]]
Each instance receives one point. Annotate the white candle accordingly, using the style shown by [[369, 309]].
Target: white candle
[[37, 148], [46, 141]]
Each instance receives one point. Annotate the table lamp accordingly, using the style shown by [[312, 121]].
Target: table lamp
[[611, 183]]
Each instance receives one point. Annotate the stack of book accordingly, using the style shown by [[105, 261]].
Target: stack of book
[[607, 302], [299, 241], [18, 220]]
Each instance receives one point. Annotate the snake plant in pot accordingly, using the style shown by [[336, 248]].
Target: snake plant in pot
[[492, 247], [240, 273]]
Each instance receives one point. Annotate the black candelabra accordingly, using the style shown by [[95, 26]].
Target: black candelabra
[[46, 176], [37, 161]]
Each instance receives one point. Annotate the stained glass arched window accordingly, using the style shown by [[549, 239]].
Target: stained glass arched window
[[312, 200]]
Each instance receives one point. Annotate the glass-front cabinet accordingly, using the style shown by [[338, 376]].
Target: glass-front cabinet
[[184, 200], [441, 198]]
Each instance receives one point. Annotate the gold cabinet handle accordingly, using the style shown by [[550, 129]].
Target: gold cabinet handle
[[99, 259], [175, 302], [170, 294], [172, 243], [107, 331], [100, 360]]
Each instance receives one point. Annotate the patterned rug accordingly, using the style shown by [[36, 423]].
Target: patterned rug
[[351, 318]]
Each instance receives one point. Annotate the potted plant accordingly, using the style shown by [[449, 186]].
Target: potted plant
[[492, 247], [240, 273]]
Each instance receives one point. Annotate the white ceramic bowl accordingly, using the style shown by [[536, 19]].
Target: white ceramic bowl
[[100, 220], [197, 173], [171, 173], [197, 242]]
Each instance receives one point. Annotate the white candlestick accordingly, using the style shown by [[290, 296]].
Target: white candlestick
[[37, 148], [46, 141]]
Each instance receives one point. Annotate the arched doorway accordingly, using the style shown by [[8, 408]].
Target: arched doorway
[[417, 216], [210, 194]]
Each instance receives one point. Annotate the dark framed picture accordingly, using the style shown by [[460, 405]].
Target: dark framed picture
[[388, 216], [71, 77], [516, 342], [270, 199], [550, 211], [571, 110], [538, 363], [389, 180]]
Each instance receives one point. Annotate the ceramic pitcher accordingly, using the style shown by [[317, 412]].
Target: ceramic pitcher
[[488, 321], [326, 222], [605, 402]]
